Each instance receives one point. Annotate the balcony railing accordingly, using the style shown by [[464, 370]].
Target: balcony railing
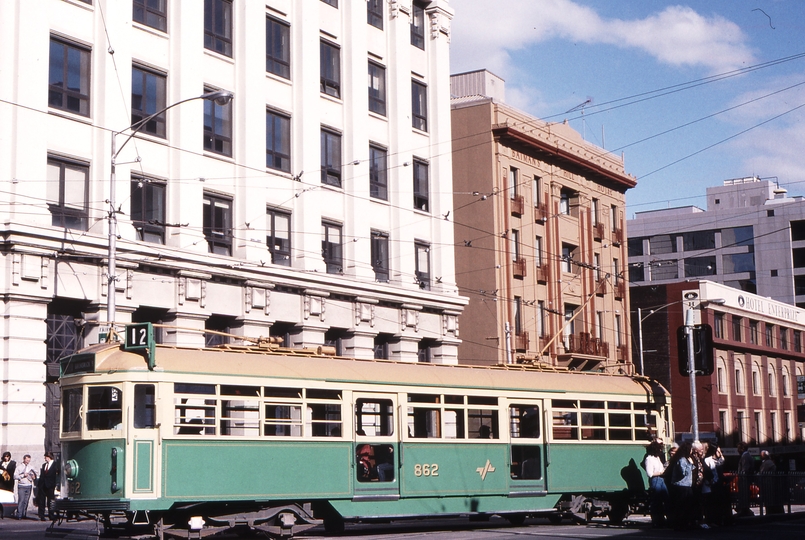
[[598, 231], [617, 236], [519, 268], [623, 353], [518, 205], [541, 213], [584, 343], [620, 289], [543, 273], [521, 341]]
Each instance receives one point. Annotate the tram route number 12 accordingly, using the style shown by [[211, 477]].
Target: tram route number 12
[[425, 469], [140, 338]]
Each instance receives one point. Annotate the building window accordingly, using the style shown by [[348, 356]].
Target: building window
[[797, 341], [278, 48], [148, 209], [378, 176], [784, 381], [217, 126], [740, 425], [567, 258], [515, 245], [422, 262], [331, 247], [618, 338], [784, 338], [737, 335], [758, 427], [380, 255], [377, 88], [374, 13], [513, 180], [541, 318], [218, 26], [330, 69], [787, 434], [538, 251], [613, 218], [330, 158], [418, 26], [772, 381], [756, 380], [599, 325], [616, 274], [67, 191], [153, 13], [700, 266], [335, 338], [721, 379], [278, 142], [518, 318], [382, 346], [218, 224], [421, 192], [698, 240], [425, 349], [739, 379], [718, 325], [278, 238], [753, 332], [217, 325], [419, 105], [68, 79], [147, 97], [723, 423], [769, 335], [564, 202]]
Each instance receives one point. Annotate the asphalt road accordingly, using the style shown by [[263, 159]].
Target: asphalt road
[[791, 526]]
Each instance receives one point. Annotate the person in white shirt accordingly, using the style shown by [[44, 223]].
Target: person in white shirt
[[25, 476], [654, 465]]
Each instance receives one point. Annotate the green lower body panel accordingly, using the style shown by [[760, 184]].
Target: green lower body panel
[[587, 468], [432, 506]]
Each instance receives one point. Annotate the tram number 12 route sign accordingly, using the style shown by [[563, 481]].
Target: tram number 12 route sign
[[140, 338]]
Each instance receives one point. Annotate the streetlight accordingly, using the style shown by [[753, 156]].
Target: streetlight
[[221, 97]]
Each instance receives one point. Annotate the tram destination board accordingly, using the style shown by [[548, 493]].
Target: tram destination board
[[78, 363], [140, 338]]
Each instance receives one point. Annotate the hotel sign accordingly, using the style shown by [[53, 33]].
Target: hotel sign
[[764, 306]]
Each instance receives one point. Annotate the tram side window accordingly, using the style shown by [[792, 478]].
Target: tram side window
[[565, 418], [424, 423], [592, 421], [374, 417], [283, 420], [323, 419], [71, 401], [375, 462], [526, 462], [144, 406], [483, 423], [104, 408], [619, 421], [454, 424], [194, 413], [240, 410], [524, 421]]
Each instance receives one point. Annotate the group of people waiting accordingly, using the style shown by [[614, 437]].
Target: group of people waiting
[[43, 485], [689, 490]]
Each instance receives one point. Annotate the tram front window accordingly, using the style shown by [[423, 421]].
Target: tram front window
[[71, 401], [144, 412], [104, 408]]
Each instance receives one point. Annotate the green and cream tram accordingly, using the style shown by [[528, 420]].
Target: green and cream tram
[[195, 440]]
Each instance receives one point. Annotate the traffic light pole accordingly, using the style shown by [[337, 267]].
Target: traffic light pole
[[694, 407]]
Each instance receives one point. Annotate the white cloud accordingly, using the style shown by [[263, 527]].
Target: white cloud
[[487, 31]]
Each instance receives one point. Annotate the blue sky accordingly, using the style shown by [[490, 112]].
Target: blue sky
[[556, 54]]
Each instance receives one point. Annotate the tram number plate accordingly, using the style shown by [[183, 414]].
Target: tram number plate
[[425, 469], [74, 488]]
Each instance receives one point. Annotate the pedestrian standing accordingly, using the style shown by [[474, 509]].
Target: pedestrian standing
[[25, 476], [45, 489], [654, 464], [7, 467]]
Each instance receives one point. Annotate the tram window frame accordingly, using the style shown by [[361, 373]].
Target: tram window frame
[[565, 420], [183, 393], [290, 425], [100, 414], [378, 417], [518, 417], [240, 417], [145, 406], [424, 422], [596, 420], [478, 419], [72, 402], [320, 406]]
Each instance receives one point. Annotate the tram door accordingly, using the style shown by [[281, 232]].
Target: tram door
[[527, 449], [143, 433], [376, 463]]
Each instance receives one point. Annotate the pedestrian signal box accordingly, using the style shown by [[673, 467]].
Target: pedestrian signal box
[[702, 350]]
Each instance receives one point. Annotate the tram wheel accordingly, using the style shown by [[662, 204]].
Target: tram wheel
[[555, 519], [334, 525], [516, 519]]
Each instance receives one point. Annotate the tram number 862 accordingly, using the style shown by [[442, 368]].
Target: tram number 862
[[424, 469]]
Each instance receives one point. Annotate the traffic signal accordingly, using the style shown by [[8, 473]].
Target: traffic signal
[[702, 349]]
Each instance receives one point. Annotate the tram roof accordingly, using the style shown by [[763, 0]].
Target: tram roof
[[299, 365]]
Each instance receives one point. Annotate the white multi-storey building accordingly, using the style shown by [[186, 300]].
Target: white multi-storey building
[[335, 235]]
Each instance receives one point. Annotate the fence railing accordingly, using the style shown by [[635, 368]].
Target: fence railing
[[770, 492]]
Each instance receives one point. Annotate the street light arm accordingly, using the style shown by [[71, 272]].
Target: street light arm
[[222, 97]]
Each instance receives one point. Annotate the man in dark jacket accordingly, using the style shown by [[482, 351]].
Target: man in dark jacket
[[48, 481]]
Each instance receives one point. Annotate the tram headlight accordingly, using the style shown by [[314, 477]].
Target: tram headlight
[[71, 469]]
